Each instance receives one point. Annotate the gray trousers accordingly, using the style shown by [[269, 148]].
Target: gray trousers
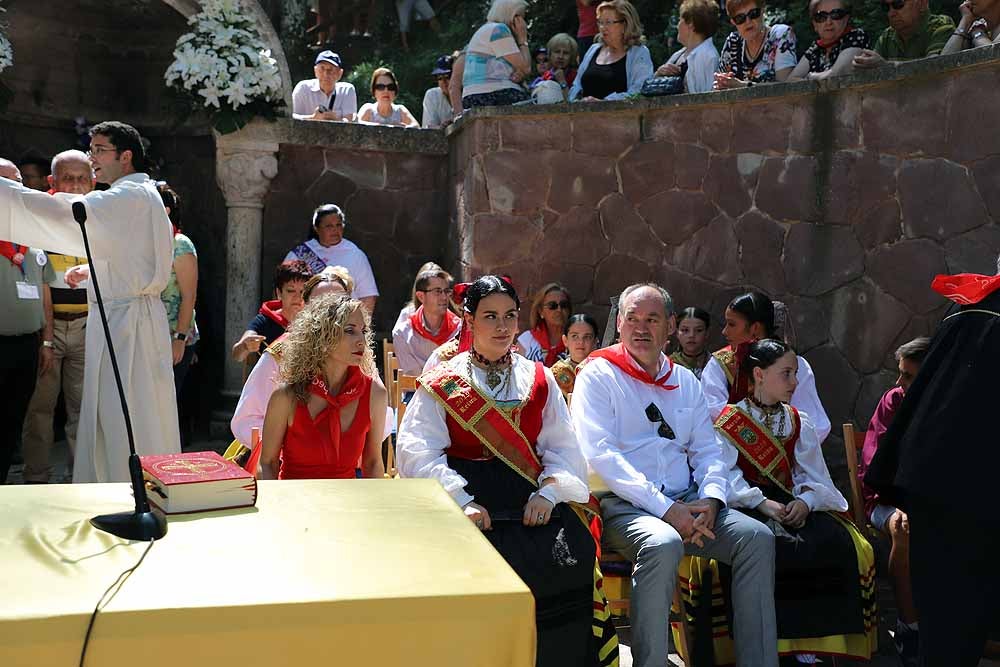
[[656, 550]]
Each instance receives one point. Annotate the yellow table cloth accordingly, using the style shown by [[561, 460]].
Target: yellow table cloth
[[321, 572]]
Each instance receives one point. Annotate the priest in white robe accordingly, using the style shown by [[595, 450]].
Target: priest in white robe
[[131, 241]]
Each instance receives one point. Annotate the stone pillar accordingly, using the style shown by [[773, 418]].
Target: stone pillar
[[244, 169]]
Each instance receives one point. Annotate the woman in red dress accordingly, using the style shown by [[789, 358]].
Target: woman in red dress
[[331, 410]]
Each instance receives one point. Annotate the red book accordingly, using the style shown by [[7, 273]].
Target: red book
[[196, 482]]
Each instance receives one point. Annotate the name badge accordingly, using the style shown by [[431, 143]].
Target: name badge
[[27, 291]]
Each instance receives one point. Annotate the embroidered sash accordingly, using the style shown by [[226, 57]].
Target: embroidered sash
[[731, 361], [312, 260], [763, 459]]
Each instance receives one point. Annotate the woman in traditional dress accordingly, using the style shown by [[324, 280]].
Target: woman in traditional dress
[[549, 311], [750, 317], [692, 334], [580, 337], [320, 423], [824, 581], [492, 428]]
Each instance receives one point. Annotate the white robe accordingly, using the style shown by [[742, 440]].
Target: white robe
[[804, 398], [132, 244]]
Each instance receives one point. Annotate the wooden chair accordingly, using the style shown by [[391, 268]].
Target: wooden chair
[[387, 355], [851, 451]]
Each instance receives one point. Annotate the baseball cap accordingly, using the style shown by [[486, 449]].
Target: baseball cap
[[329, 57], [442, 66]]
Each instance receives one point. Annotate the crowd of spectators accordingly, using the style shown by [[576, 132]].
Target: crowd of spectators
[[608, 58]]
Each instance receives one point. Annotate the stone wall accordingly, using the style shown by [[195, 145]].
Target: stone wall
[[842, 199], [391, 183]]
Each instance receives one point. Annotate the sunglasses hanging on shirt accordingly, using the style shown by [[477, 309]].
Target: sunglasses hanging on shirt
[[664, 430]]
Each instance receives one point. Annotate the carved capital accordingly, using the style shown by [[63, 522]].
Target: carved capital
[[244, 173]]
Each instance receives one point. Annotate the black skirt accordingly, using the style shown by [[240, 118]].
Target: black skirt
[[555, 561]]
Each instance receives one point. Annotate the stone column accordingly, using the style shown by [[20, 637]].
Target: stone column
[[244, 169]]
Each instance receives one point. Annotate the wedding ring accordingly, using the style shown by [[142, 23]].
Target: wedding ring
[[541, 517], [479, 523]]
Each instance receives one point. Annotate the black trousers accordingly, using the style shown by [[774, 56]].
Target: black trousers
[[956, 581], [18, 372]]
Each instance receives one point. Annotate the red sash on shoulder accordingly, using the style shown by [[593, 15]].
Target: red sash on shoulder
[[763, 459], [619, 356], [732, 362], [448, 327]]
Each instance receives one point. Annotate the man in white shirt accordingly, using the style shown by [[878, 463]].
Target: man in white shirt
[[330, 248], [415, 337], [326, 97], [643, 425]]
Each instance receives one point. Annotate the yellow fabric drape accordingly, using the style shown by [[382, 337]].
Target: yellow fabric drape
[[349, 571]]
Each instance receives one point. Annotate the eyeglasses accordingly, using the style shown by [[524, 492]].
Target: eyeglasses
[[606, 24], [437, 291], [833, 14], [97, 150], [895, 4], [386, 86], [664, 430], [740, 19], [557, 305]]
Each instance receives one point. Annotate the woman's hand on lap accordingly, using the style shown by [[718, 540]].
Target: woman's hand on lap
[[478, 515], [537, 511]]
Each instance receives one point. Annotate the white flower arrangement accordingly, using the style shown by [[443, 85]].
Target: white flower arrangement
[[224, 67], [6, 50]]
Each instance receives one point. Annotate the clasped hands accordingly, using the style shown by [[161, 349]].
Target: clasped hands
[[537, 512], [793, 514], [694, 521]]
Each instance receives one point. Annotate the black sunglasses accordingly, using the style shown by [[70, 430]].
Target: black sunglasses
[[753, 15], [556, 305], [895, 4], [653, 415], [386, 86], [833, 14]]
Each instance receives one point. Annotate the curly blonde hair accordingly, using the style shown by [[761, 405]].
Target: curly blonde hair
[[315, 331]]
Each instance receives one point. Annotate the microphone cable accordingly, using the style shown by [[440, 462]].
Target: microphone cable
[[105, 598]]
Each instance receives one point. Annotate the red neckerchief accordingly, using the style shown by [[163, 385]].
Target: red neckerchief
[[269, 309], [619, 356], [13, 252], [541, 334], [354, 384], [827, 45], [448, 326], [965, 288]]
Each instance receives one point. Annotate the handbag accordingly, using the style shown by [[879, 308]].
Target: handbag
[[658, 86]]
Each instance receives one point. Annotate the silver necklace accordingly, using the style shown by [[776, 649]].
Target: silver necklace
[[497, 372]]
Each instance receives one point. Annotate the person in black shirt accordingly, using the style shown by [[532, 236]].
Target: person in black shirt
[[275, 315]]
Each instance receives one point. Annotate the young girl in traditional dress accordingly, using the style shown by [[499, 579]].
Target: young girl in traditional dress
[[492, 428], [320, 422], [692, 334], [580, 337]]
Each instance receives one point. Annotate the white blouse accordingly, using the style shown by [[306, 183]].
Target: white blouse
[[811, 479], [805, 398], [423, 439]]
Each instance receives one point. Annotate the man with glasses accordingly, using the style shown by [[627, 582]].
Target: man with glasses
[[643, 425], [131, 240], [913, 32], [414, 338]]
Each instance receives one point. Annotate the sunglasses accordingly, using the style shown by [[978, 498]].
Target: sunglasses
[[386, 86], [664, 430], [833, 15], [443, 77], [556, 305], [895, 4], [753, 15]]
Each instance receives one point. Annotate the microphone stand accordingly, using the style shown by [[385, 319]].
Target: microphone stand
[[142, 524]]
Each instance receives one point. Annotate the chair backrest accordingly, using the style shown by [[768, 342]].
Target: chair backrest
[[851, 449], [387, 355]]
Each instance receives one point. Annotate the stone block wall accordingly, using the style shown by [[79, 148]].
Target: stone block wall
[[843, 200], [391, 186]]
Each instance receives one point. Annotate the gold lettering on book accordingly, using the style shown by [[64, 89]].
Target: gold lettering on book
[[190, 466]]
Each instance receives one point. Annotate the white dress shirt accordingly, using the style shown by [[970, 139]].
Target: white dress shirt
[[437, 109], [624, 449], [349, 256], [702, 62], [257, 390], [411, 349], [307, 95], [811, 479], [423, 437], [805, 398]]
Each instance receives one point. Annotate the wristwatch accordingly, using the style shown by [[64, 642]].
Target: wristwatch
[[179, 336]]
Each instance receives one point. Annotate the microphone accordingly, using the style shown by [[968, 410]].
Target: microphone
[[142, 524]]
